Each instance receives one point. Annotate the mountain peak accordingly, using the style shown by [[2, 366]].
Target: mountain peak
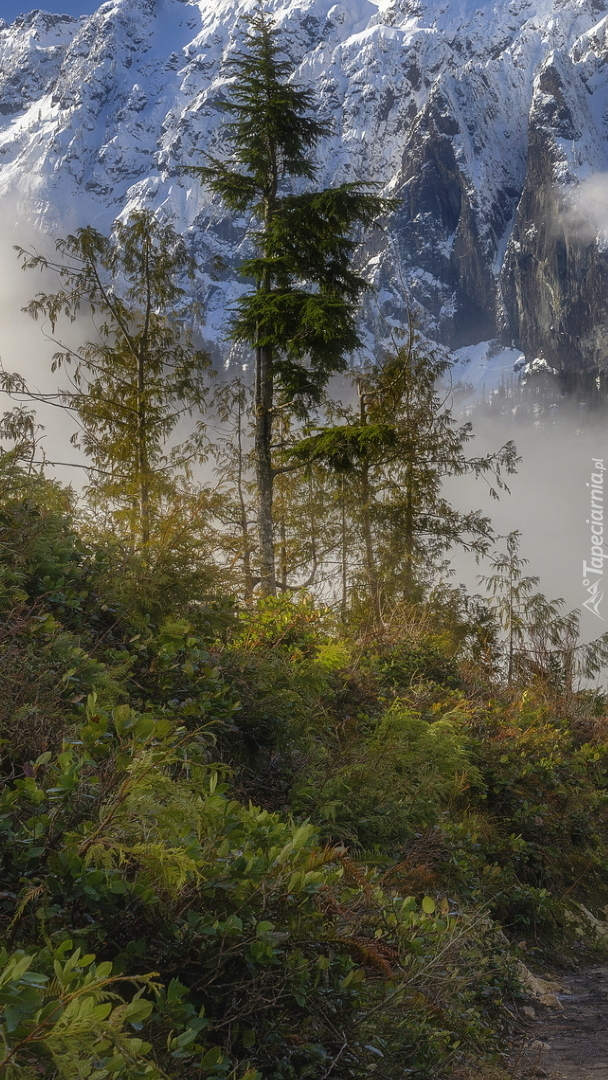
[[482, 119]]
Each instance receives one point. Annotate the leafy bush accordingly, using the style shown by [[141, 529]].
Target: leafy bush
[[400, 776], [545, 800], [273, 953], [73, 1023]]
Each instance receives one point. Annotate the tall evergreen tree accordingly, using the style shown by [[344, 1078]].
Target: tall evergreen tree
[[299, 316], [140, 374]]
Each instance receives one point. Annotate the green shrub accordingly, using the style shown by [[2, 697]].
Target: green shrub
[[401, 776], [274, 954]]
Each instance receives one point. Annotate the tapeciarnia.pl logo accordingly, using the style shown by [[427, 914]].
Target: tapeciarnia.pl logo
[[593, 572]]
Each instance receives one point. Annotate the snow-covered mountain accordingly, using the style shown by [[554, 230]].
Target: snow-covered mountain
[[490, 123]]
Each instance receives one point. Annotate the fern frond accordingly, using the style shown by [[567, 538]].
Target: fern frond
[[370, 952], [170, 867], [105, 853], [353, 873], [31, 894]]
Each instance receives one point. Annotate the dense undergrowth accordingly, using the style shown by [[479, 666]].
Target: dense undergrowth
[[263, 843]]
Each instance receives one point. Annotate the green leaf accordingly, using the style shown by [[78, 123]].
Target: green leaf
[[212, 1057], [176, 990], [138, 1010]]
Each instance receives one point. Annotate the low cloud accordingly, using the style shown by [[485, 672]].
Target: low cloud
[[25, 345], [587, 212], [549, 499]]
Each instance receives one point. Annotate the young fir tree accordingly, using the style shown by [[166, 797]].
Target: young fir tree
[[299, 316], [392, 452], [512, 593], [132, 384], [540, 640]]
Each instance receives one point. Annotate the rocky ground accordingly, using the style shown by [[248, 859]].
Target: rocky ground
[[570, 1040]]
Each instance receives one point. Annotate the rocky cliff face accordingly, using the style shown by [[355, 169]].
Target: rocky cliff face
[[488, 123], [555, 275]]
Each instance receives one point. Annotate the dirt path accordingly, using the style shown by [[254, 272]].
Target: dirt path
[[570, 1043]]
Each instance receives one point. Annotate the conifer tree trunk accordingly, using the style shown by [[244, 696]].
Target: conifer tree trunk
[[264, 394], [263, 467], [313, 526], [283, 555], [370, 562], [511, 667], [142, 433], [408, 535], [568, 669], [366, 529], [344, 552], [247, 573], [143, 482]]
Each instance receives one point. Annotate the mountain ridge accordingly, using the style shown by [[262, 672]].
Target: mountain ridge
[[486, 122]]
